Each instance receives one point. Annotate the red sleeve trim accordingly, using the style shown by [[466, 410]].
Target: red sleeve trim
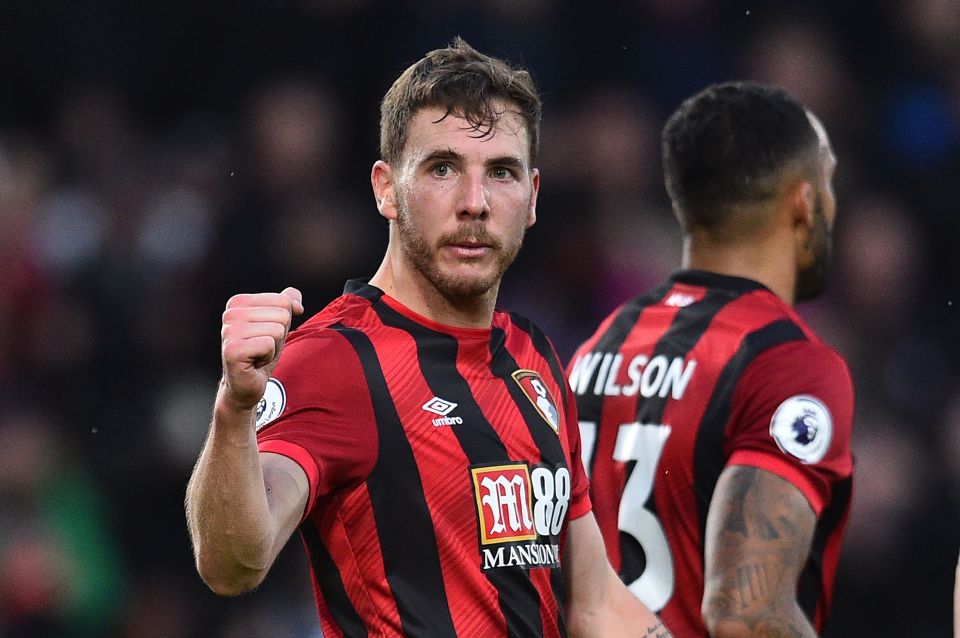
[[580, 507], [785, 470], [302, 458]]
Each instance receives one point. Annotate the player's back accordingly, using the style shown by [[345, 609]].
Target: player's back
[[658, 387]]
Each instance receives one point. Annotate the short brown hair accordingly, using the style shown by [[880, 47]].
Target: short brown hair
[[465, 82]]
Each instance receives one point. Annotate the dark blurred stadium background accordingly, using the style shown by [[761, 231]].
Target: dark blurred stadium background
[[157, 157]]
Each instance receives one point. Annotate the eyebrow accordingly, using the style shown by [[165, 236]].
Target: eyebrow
[[450, 155], [446, 154], [510, 161]]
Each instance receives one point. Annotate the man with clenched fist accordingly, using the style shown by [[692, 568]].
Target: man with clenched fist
[[423, 443]]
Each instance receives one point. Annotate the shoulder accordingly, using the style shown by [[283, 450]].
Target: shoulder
[[521, 330], [806, 361], [320, 360], [509, 320], [797, 388]]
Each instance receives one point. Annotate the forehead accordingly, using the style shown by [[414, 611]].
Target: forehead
[[430, 130]]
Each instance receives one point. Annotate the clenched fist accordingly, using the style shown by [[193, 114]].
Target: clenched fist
[[254, 329]]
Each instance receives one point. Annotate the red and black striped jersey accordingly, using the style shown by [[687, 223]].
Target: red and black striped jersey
[[443, 463], [704, 372]]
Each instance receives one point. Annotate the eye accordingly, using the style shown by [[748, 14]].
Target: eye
[[501, 173], [441, 170]]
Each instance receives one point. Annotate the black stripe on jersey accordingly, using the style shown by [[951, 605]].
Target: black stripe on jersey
[[811, 578], [559, 586], [547, 441], [589, 404], [688, 326], [404, 524], [545, 349], [437, 353], [708, 455], [331, 585], [685, 331]]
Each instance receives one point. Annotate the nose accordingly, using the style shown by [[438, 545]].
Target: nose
[[473, 197]]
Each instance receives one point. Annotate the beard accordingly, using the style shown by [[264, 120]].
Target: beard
[[425, 258], [812, 279]]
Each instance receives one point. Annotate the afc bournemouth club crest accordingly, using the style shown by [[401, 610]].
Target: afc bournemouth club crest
[[536, 390]]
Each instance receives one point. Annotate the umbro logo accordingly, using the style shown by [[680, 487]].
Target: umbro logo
[[443, 408]]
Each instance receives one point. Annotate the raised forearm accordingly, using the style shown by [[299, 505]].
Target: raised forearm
[[230, 495], [227, 511]]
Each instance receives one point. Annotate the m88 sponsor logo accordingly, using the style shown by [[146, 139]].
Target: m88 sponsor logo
[[520, 512]]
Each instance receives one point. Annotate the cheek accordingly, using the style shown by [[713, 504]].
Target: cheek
[[429, 203], [514, 202]]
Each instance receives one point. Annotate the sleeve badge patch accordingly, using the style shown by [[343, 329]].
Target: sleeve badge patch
[[272, 404], [803, 428]]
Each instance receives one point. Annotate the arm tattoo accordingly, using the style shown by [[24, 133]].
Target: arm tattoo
[[657, 631], [759, 531]]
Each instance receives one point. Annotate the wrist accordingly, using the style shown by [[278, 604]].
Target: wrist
[[229, 407]]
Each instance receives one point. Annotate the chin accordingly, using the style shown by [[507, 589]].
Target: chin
[[465, 286]]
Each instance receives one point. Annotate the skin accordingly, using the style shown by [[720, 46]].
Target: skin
[[759, 531], [458, 206], [759, 526]]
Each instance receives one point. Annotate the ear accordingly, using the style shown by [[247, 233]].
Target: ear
[[801, 205], [383, 181], [802, 201], [535, 184]]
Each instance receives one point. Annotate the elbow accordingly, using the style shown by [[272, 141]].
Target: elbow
[[723, 625], [781, 610], [727, 628], [229, 587], [226, 581]]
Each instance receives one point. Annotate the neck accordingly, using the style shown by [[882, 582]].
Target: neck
[[399, 279], [762, 260]]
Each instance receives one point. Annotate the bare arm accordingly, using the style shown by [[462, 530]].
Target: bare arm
[[599, 604], [242, 506], [758, 537]]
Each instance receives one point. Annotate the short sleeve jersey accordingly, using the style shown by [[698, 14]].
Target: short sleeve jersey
[[704, 372], [443, 466]]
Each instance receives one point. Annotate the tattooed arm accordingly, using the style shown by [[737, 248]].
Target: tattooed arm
[[758, 536]]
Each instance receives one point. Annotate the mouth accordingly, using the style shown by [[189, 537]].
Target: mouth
[[468, 249]]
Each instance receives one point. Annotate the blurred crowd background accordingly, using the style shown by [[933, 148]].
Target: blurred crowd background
[[156, 158]]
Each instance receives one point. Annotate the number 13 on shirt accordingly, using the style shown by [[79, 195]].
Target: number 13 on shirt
[[642, 443]]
